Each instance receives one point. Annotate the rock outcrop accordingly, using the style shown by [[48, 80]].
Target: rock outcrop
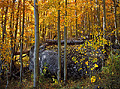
[[78, 64]]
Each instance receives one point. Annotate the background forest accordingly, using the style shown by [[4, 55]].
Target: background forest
[[68, 26]]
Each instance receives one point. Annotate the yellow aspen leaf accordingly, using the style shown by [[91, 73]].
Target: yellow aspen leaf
[[90, 40], [80, 69], [93, 79], [102, 49], [88, 66], [96, 65], [93, 8], [92, 68], [112, 73], [86, 62], [66, 24], [55, 80], [76, 62], [76, 49], [98, 87], [79, 47]]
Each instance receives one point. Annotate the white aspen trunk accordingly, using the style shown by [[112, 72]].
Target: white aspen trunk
[[21, 45], [59, 46], [36, 51], [65, 46], [104, 25], [115, 22]]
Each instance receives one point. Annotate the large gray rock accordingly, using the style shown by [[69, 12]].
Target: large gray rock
[[76, 67], [47, 60]]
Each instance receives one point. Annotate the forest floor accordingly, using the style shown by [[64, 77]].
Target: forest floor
[[108, 78], [102, 81]]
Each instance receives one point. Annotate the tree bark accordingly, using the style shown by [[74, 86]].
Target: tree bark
[[65, 45], [104, 24], [21, 45], [11, 35], [76, 19], [16, 26], [36, 52], [4, 28], [115, 22], [59, 45]]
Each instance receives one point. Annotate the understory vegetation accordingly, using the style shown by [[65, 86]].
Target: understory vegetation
[[81, 37], [106, 78]]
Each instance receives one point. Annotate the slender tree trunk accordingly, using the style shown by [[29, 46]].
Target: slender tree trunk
[[43, 32], [59, 45], [65, 45], [31, 30], [70, 31], [4, 28], [99, 23], [16, 27], [118, 22], [21, 45], [11, 34], [1, 56], [76, 19], [115, 22], [7, 76], [36, 52], [84, 23], [91, 23], [98, 19], [88, 21], [104, 25], [20, 22], [98, 14], [2, 19]]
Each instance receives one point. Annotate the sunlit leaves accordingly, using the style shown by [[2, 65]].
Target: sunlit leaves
[[74, 59], [93, 79], [86, 62], [87, 24], [95, 60], [95, 65]]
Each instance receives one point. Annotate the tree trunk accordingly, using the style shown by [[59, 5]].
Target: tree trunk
[[76, 19], [65, 45], [11, 35], [2, 20], [36, 52], [4, 28], [104, 25], [16, 27], [59, 45], [115, 22], [21, 45]]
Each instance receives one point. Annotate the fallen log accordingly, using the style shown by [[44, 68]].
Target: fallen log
[[24, 52], [69, 42], [53, 42]]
